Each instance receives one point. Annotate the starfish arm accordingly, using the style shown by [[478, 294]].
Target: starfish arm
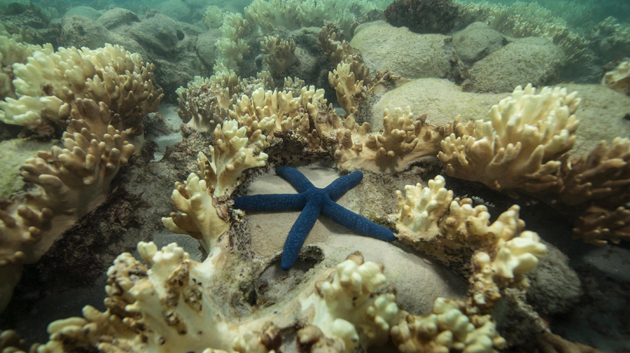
[[299, 232], [337, 188], [271, 203], [295, 177], [355, 222]]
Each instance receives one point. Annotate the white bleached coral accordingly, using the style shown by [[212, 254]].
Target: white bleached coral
[[447, 329], [519, 146], [454, 231], [70, 182], [201, 198], [352, 304], [47, 85]]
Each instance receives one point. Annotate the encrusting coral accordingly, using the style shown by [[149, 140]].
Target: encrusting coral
[[519, 146]]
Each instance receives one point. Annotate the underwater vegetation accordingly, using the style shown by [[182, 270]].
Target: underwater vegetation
[[472, 161]]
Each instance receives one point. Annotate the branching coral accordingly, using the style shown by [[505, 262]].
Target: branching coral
[[406, 138], [231, 48], [519, 146], [331, 39], [619, 78], [164, 307], [350, 305], [294, 14], [452, 230], [48, 84], [174, 302], [349, 91], [71, 181], [204, 103], [603, 176], [599, 225], [448, 328], [201, 198], [280, 55]]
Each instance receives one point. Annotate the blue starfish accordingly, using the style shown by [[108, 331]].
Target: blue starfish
[[312, 201]]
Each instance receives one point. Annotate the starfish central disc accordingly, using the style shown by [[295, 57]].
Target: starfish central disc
[[312, 201]]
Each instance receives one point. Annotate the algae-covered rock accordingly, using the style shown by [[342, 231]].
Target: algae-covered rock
[[404, 53], [527, 60], [175, 9], [13, 153]]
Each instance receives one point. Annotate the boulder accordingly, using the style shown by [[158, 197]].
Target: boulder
[[403, 52]]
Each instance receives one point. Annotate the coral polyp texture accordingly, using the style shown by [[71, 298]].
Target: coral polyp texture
[[46, 86], [519, 147]]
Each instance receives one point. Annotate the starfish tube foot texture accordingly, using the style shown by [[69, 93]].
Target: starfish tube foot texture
[[312, 201]]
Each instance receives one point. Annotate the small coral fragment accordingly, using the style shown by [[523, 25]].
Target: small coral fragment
[[619, 78], [447, 329], [519, 147]]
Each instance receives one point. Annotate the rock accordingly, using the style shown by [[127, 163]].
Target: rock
[[79, 32], [477, 41], [406, 54], [527, 60], [206, 46], [417, 280], [554, 286], [603, 115], [13, 153], [117, 17], [83, 11], [440, 99], [424, 16], [175, 9]]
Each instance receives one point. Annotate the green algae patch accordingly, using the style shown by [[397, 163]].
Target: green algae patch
[[13, 153]]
